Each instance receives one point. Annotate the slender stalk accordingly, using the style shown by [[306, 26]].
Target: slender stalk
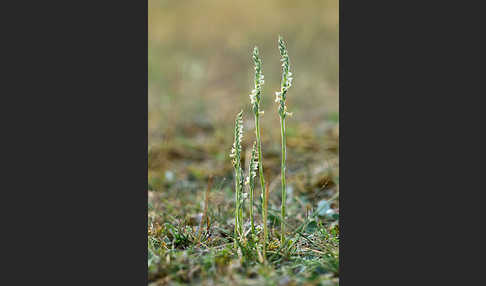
[[253, 166], [236, 212], [260, 169], [265, 227], [239, 200], [255, 99], [281, 97], [284, 185], [240, 214], [252, 223], [236, 161]]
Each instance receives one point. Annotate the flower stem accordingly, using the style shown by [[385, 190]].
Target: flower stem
[[236, 208], [251, 211], [262, 180], [284, 187], [265, 230]]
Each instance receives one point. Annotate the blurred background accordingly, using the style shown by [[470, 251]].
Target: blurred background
[[201, 73]]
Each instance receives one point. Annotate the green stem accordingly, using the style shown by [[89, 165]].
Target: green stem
[[241, 221], [242, 205], [251, 210], [284, 187], [265, 230], [236, 207], [262, 180]]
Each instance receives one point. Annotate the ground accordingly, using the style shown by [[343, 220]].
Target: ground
[[200, 75]]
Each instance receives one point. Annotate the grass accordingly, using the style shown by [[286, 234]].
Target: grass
[[191, 238], [176, 257]]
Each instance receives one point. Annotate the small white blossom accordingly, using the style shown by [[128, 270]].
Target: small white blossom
[[259, 81], [286, 79], [252, 98], [236, 148]]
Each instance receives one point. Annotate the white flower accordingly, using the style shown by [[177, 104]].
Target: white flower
[[252, 98]]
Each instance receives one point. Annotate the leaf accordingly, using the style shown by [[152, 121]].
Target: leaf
[[311, 227]]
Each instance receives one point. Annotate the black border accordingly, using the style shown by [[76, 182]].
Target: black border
[[409, 149], [75, 193]]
